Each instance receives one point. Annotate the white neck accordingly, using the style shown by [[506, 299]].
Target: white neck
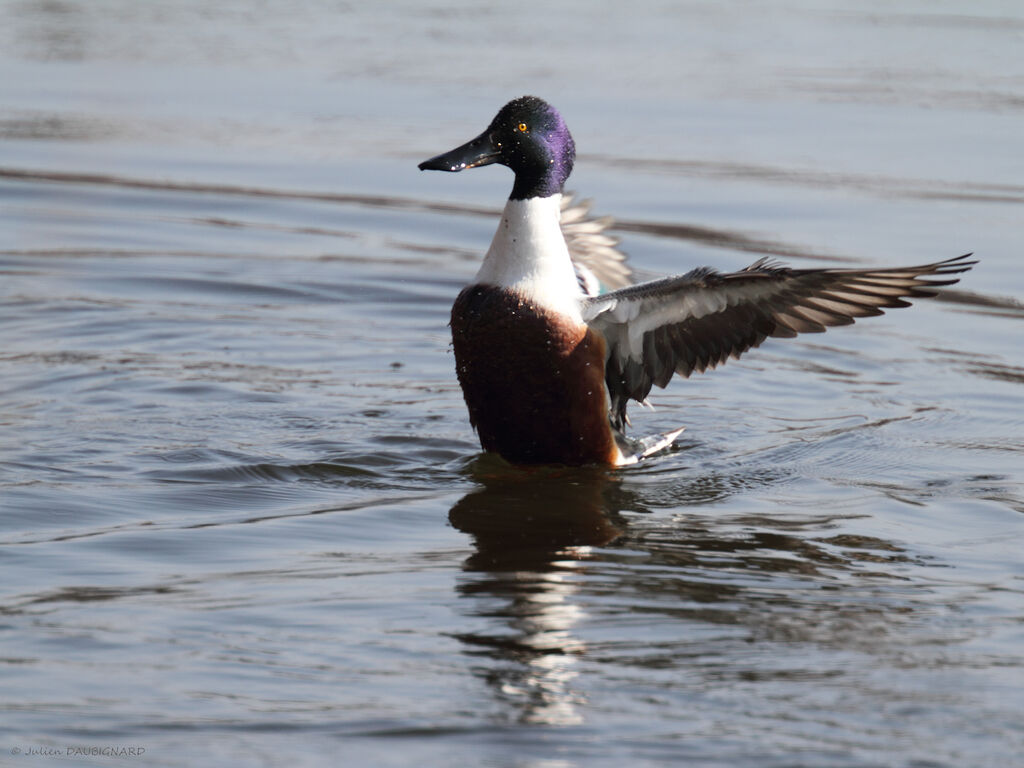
[[528, 255]]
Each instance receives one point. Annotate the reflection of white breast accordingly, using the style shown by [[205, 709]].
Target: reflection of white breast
[[529, 256]]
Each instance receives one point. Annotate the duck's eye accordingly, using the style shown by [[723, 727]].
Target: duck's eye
[[522, 127]]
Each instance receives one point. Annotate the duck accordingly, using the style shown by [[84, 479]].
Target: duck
[[550, 349]]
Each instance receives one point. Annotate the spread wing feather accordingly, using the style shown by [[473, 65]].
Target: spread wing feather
[[600, 265], [696, 321]]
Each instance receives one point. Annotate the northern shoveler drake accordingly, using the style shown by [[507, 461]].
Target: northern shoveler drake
[[547, 363]]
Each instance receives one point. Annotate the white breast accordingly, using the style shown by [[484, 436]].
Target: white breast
[[529, 256]]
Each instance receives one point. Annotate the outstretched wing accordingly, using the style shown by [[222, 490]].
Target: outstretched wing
[[698, 320], [599, 264]]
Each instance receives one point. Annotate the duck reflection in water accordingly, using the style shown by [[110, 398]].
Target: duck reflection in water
[[552, 544], [533, 531]]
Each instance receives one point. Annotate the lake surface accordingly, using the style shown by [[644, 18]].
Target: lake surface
[[245, 520]]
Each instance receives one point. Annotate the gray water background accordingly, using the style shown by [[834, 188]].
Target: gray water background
[[245, 520]]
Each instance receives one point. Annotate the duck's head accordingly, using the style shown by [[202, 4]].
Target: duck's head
[[530, 137]]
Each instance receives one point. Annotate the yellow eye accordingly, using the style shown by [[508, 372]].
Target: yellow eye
[[522, 127]]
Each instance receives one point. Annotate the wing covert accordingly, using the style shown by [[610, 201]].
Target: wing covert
[[699, 320]]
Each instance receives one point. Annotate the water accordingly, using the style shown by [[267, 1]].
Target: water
[[245, 520]]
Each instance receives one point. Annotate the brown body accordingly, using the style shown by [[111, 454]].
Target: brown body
[[533, 382]]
